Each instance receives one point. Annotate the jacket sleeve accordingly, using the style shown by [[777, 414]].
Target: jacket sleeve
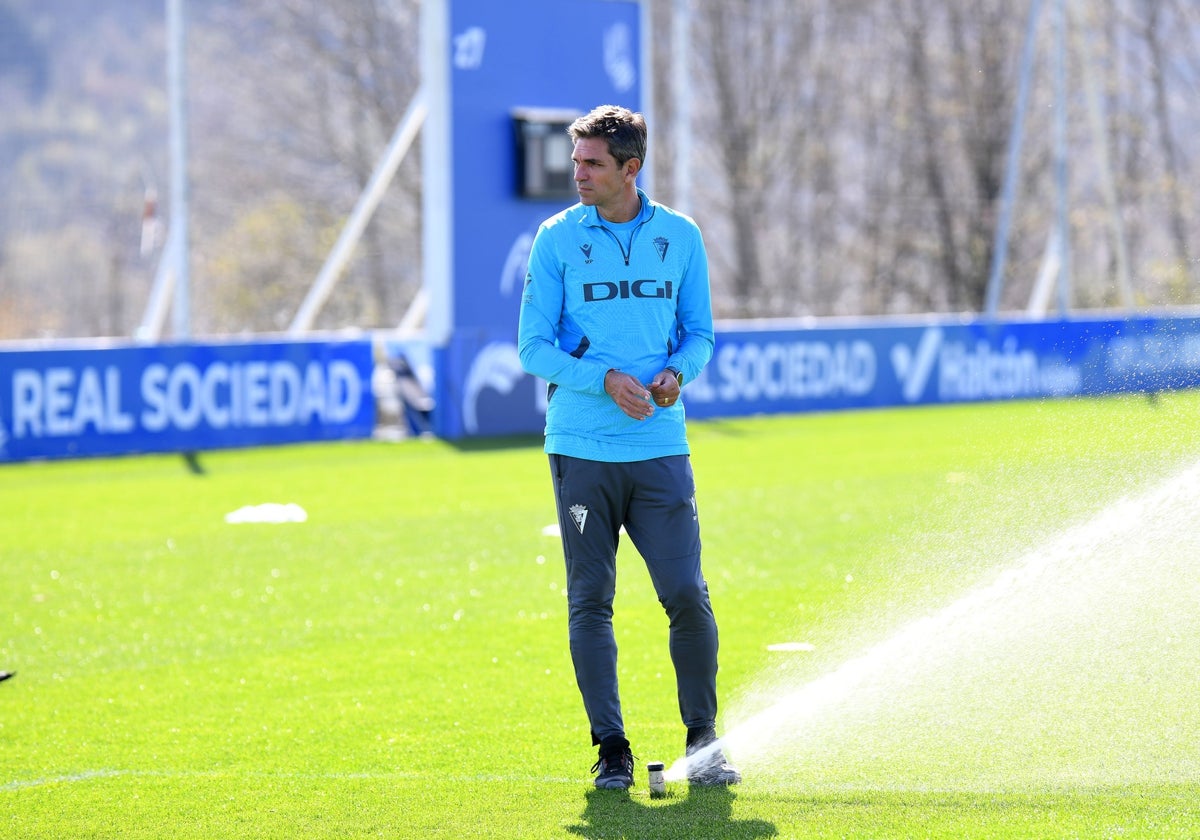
[[694, 313], [537, 330]]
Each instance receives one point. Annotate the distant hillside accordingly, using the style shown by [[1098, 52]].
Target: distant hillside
[[280, 143], [23, 59]]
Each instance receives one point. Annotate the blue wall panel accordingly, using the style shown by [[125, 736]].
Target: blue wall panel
[[765, 368], [581, 54], [108, 400], [876, 364]]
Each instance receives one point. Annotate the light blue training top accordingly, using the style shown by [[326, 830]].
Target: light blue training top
[[598, 296]]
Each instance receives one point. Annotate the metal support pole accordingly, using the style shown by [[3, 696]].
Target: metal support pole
[[1012, 171], [1096, 121], [179, 222], [681, 82], [368, 201], [1061, 174], [155, 316], [437, 178]]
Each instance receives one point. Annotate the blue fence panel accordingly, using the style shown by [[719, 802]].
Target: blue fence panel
[[496, 70], [772, 367], [106, 400], [109, 400], [781, 369]]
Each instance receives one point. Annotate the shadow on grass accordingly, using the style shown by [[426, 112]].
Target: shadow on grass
[[698, 814], [732, 427], [491, 444]]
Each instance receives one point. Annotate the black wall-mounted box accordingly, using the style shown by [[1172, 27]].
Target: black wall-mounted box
[[544, 168]]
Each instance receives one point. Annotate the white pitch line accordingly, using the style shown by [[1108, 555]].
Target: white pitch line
[[89, 775]]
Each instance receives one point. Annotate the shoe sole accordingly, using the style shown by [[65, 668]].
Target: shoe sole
[[614, 785]]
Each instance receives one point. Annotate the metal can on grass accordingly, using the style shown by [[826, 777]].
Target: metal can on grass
[[658, 785]]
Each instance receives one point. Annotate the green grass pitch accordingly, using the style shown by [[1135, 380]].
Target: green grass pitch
[[397, 666]]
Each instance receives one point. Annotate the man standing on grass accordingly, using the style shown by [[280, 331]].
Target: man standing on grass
[[616, 316]]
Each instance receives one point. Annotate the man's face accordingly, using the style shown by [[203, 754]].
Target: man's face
[[598, 178]]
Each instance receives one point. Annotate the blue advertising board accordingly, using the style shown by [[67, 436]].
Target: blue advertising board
[[106, 400], [580, 54], [771, 368], [874, 364]]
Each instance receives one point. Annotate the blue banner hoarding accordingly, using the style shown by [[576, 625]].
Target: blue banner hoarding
[[771, 368], [108, 400], [941, 361]]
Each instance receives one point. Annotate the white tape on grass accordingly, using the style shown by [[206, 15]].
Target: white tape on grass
[[270, 513]]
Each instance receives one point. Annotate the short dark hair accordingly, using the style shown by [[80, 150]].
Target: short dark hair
[[624, 130]]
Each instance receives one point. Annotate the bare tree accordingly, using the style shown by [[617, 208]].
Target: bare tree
[[962, 104], [1156, 17], [317, 89], [746, 87]]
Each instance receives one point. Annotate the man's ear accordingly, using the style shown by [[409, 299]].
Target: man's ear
[[632, 167]]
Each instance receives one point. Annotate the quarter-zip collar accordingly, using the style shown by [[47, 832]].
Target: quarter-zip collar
[[592, 218]]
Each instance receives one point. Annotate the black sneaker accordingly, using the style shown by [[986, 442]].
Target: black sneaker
[[706, 763], [614, 768]]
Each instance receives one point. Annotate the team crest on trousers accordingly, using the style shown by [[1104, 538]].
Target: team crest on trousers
[[579, 514]]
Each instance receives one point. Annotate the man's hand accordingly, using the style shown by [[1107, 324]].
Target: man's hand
[[664, 388], [629, 394]]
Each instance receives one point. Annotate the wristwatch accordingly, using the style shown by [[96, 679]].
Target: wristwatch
[[678, 375]]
